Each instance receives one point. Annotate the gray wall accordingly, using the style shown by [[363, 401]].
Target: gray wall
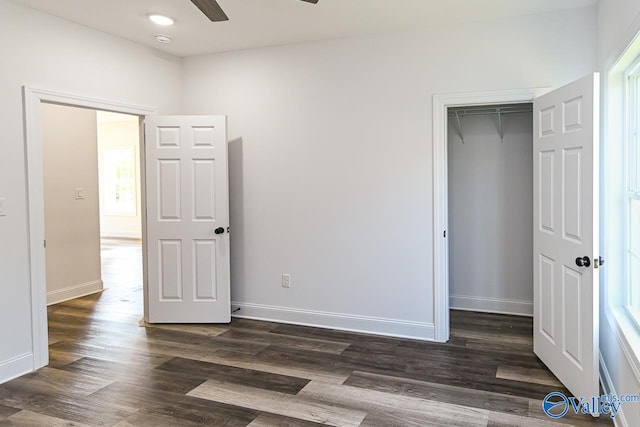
[[330, 158], [72, 226], [491, 214]]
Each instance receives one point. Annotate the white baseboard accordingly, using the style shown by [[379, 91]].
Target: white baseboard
[[76, 291], [609, 388], [339, 321], [491, 305], [16, 367]]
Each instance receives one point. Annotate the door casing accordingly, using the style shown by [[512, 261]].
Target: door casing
[[440, 189], [33, 97]]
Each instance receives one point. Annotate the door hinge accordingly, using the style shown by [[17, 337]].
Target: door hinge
[[445, 234], [45, 244], [228, 229]]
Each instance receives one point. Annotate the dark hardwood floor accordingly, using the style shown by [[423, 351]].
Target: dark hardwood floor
[[107, 369]]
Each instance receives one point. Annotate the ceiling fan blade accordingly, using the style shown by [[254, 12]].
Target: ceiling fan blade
[[311, 1], [211, 9]]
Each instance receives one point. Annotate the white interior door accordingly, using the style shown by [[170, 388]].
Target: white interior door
[[565, 232], [187, 219]]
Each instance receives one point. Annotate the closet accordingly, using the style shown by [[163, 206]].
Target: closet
[[490, 197]]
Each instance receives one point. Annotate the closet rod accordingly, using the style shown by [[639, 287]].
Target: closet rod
[[480, 113], [472, 110]]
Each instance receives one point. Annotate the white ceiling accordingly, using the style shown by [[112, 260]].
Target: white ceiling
[[256, 23]]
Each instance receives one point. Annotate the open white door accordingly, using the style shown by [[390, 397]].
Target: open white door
[[187, 219], [565, 241]]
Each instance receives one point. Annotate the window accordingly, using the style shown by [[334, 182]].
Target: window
[[632, 193], [120, 181], [620, 201]]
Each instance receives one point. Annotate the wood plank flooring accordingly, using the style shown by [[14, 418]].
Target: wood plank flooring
[[109, 369]]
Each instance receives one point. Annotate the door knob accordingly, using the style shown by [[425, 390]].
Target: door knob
[[584, 261], [219, 230]]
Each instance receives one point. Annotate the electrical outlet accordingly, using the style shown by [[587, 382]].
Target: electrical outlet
[[286, 280]]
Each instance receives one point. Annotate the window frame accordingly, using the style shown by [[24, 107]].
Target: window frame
[[617, 127], [631, 184]]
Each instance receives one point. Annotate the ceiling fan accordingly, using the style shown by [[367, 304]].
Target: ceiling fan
[[214, 12]]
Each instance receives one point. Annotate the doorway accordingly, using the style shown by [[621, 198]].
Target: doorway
[[33, 101], [119, 161], [91, 171], [441, 104], [490, 212], [565, 214]]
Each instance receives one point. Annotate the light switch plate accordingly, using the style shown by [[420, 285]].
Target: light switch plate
[[3, 207], [286, 280]]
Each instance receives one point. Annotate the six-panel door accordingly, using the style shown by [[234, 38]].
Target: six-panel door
[[565, 230], [187, 201]]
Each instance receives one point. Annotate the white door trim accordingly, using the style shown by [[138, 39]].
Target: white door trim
[[440, 188], [33, 97]]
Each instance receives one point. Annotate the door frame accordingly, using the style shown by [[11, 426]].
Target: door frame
[[33, 97], [440, 188]]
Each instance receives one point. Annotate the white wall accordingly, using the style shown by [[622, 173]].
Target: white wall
[[51, 53], [119, 132], [618, 23], [331, 174], [491, 214], [330, 158], [72, 225]]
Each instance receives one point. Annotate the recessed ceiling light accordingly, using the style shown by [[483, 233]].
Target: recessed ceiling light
[[160, 19], [163, 39]]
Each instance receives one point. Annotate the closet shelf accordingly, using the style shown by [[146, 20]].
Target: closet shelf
[[498, 110]]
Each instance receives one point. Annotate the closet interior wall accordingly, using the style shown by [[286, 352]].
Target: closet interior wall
[[490, 189]]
